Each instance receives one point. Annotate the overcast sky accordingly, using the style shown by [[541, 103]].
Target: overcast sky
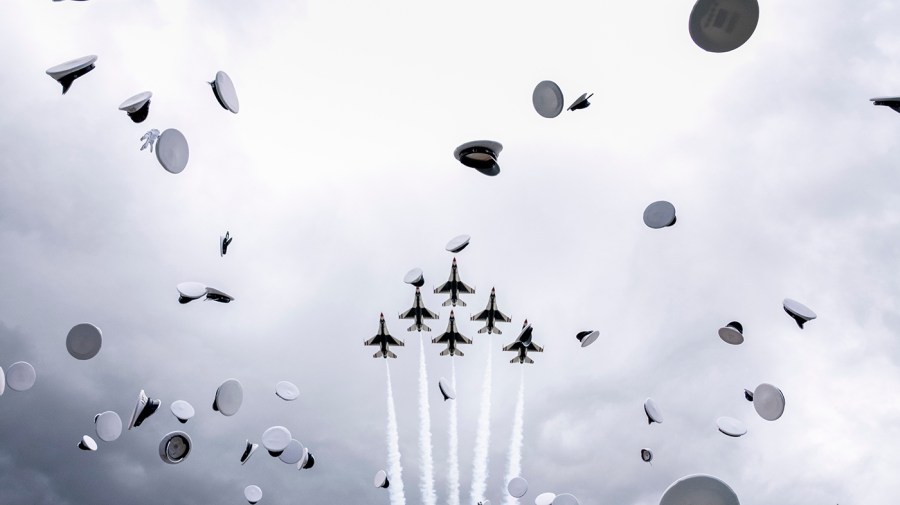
[[337, 176]]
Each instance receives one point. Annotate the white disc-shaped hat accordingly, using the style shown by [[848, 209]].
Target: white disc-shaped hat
[[699, 489], [20, 376], [733, 333], [544, 499], [276, 439], [293, 453], [566, 499], [143, 408], [458, 243], [108, 426], [587, 337], [2, 381], [87, 444], [801, 313], [138, 106], [253, 494], [719, 26], [731, 426], [307, 462], [188, 291], [84, 341], [66, 73], [659, 215], [647, 455], [172, 151], [229, 397], [654, 415], [287, 391], [218, 296], [415, 277], [547, 99], [447, 390], [182, 410], [481, 155], [517, 487], [174, 447], [249, 449], [223, 88], [381, 479], [768, 401]]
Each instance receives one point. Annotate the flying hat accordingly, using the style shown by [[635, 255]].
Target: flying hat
[[229, 397], [447, 390], [733, 333], [190, 291], [137, 107], [293, 453], [218, 296], [253, 494], [223, 88], [768, 401], [108, 426], [249, 449], [481, 155], [415, 277], [20, 376], [144, 408], [2, 381], [287, 391], [731, 426], [566, 499], [87, 444], [172, 150], [695, 489], [719, 26], [517, 487], [547, 99], [654, 415], [224, 242], [647, 455], [174, 447], [587, 337], [307, 461], [83, 341], [381, 480], [801, 313], [182, 410], [458, 243], [659, 214], [276, 440], [66, 73], [581, 102], [544, 499], [748, 395]]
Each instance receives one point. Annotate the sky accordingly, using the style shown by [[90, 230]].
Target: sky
[[337, 177]]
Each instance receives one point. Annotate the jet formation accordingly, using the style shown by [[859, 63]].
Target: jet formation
[[452, 338]]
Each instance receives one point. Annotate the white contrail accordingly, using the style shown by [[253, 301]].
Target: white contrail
[[395, 470], [482, 438], [514, 464], [453, 453], [426, 484]]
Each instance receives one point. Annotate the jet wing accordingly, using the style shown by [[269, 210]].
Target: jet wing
[[443, 338], [534, 347], [465, 288], [464, 339], [500, 316], [409, 314], [511, 347], [373, 341], [481, 316], [394, 341], [427, 314], [443, 288]]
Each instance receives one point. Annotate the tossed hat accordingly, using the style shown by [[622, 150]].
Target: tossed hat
[[83, 341], [547, 99], [229, 397], [253, 494], [659, 215], [447, 390], [66, 73], [108, 426], [174, 447], [733, 333], [647, 455], [458, 243], [415, 277], [731, 426], [223, 88], [249, 449], [768, 401], [143, 408], [587, 337], [276, 440], [287, 391], [137, 107], [20, 376], [695, 489], [87, 444], [654, 415], [381, 480], [581, 102], [799, 312], [719, 26], [481, 155], [182, 410], [517, 487], [293, 453], [172, 150]]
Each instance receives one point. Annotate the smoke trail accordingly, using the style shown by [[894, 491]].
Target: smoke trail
[[453, 453], [482, 438], [395, 470], [426, 485], [514, 464]]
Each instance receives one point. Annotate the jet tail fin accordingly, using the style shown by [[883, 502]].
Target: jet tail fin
[[526, 359], [420, 327], [452, 352], [378, 354], [391, 355], [425, 328], [460, 303], [483, 330], [447, 303]]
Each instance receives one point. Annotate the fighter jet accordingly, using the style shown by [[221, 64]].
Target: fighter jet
[[454, 286], [522, 345], [419, 313], [385, 340], [491, 315], [889, 101], [451, 337]]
